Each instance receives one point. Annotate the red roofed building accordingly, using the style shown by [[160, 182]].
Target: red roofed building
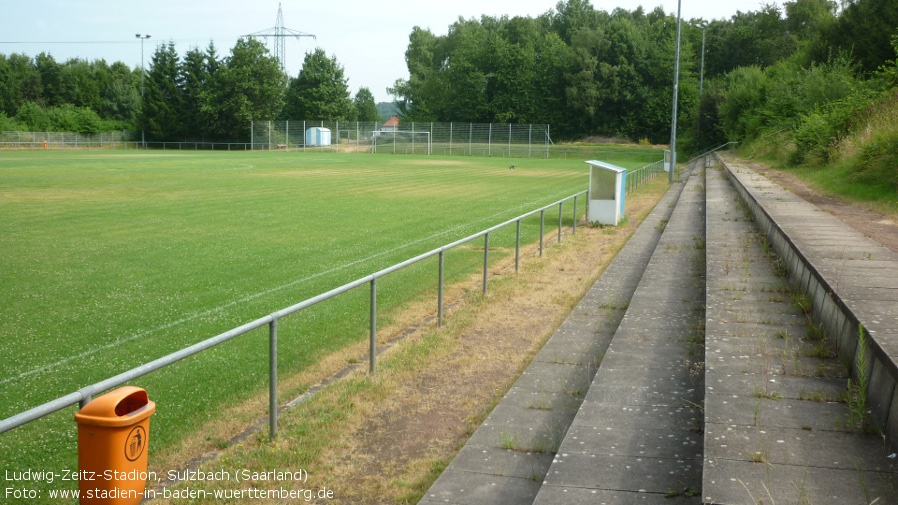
[[391, 125]]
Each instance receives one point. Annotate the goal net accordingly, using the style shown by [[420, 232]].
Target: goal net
[[401, 142]]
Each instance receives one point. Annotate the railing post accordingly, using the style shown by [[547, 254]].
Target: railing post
[[273, 379], [560, 218], [517, 248], [542, 226], [575, 214], [372, 364], [440, 292], [486, 259]]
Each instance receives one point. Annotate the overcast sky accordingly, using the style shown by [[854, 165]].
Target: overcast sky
[[368, 37]]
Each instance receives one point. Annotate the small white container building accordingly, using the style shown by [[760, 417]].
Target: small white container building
[[607, 193], [318, 137]]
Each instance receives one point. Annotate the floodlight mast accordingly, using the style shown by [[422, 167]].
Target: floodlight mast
[[143, 139], [676, 86], [279, 33]]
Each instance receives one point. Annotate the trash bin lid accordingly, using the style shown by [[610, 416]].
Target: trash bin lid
[[123, 407]]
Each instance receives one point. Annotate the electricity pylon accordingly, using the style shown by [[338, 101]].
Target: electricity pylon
[[280, 34]]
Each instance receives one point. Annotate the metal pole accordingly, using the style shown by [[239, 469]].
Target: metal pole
[[517, 248], [372, 345], [560, 219], [701, 78], [440, 291], [143, 139], [701, 86], [450, 139], [575, 214], [542, 226], [673, 119], [490, 143], [486, 260], [273, 379]]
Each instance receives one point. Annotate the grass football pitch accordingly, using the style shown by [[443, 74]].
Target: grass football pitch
[[114, 259]]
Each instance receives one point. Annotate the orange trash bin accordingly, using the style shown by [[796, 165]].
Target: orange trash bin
[[113, 437]]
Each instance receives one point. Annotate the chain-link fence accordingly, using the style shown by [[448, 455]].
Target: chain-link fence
[[405, 137], [67, 140]]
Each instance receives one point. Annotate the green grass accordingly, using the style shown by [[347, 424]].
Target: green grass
[[113, 259], [839, 179]]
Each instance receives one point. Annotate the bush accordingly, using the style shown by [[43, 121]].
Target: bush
[[8, 124], [878, 159], [65, 118]]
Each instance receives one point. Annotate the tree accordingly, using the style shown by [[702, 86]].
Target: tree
[[55, 89], [749, 38], [20, 83], [197, 71], [249, 86], [865, 29], [320, 91], [161, 107], [365, 106], [121, 98]]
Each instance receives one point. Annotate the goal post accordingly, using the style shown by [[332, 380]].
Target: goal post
[[402, 142]]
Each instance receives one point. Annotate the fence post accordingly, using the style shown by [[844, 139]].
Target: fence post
[[450, 139], [542, 226], [575, 214], [486, 260], [489, 143], [517, 247], [530, 142], [372, 351], [273, 379], [440, 292], [560, 219]]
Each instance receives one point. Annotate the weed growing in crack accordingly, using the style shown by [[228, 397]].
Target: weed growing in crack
[[857, 391]]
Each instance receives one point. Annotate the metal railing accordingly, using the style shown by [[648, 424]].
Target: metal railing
[[640, 176], [84, 395], [730, 145], [107, 144]]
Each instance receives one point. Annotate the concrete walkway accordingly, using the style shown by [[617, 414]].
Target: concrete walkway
[[506, 459], [777, 427], [637, 437], [716, 362]]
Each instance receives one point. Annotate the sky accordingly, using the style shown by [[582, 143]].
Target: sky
[[367, 37]]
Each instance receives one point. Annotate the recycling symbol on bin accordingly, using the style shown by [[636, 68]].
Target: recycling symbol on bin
[[135, 443]]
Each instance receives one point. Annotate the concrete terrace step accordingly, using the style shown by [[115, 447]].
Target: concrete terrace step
[[506, 459], [775, 426], [637, 436], [702, 368]]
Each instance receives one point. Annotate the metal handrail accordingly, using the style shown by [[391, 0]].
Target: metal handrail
[[84, 395], [732, 145]]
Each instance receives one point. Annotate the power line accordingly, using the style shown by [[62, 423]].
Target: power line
[[67, 42]]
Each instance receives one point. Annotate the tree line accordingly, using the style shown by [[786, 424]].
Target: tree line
[[591, 72], [806, 67], [200, 96]]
